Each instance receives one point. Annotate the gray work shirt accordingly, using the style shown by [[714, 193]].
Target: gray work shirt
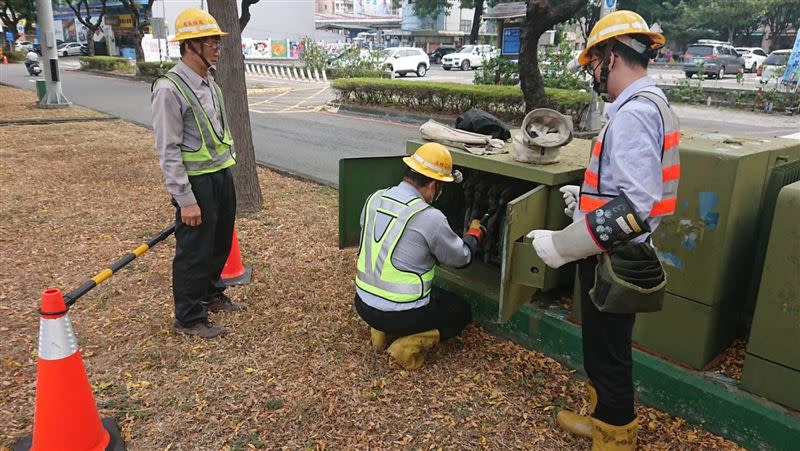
[[427, 239], [174, 126], [631, 158]]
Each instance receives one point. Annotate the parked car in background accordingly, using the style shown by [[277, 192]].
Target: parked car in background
[[405, 60], [753, 57], [774, 66], [22, 46], [468, 57], [69, 49], [437, 55], [715, 57]]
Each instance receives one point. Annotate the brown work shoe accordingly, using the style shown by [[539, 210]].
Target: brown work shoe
[[222, 303], [205, 329]]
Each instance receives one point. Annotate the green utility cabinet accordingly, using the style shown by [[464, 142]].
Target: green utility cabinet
[[708, 245], [772, 363], [520, 272]]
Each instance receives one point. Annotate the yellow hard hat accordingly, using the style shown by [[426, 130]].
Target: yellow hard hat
[[614, 25], [432, 160], [193, 23]]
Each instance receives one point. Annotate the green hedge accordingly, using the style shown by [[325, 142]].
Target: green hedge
[[505, 102], [15, 56], [154, 68], [348, 72], [107, 64]]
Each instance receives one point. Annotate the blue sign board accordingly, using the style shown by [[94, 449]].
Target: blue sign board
[[611, 4], [510, 41], [792, 74]]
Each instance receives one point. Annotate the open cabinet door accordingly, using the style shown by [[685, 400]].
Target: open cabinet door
[[358, 178], [522, 272]]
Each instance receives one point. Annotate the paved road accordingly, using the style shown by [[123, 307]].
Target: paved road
[[291, 132], [294, 131]]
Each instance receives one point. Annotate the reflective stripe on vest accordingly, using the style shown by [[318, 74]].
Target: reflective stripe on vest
[[592, 197], [375, 273], [215, 152]]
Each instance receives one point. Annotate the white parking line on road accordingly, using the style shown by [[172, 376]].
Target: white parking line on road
[[792, 136]]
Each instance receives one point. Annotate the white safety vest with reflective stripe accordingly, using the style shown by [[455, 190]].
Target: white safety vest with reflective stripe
[[375, 272], [592, 195], [215, 152]]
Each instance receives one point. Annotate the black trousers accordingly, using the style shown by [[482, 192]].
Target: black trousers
[[446, 312], [607, 353], [201, 252]]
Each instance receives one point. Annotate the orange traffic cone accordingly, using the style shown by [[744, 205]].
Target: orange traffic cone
[[61, 387], [5, 59], [234, 273]]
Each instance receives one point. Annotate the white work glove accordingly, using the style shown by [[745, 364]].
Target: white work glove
[[556, 248], [571, 193]]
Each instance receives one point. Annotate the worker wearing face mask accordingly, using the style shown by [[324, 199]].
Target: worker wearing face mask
[[403, 238]]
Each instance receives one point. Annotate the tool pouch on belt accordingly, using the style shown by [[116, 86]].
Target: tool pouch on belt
[[629, 279]]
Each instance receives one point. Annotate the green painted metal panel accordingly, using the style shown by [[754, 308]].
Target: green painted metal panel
[[358, 178], [771, 380], [775, 333]]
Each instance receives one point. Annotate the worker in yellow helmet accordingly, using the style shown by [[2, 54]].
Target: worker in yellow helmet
[[630, 184], [195, 149], [402, 239]]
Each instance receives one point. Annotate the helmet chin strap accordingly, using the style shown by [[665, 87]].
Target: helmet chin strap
[[200, 54], [601, 86]]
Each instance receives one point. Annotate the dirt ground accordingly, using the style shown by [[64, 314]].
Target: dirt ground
[[296, 372]]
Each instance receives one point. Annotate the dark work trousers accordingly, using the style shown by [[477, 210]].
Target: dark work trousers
[[446, 312], [201, 252], [607, 353]]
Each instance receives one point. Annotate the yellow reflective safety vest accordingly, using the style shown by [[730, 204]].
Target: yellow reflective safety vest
[[215, 152], [376, 274]]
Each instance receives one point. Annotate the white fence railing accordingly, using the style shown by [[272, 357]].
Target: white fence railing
[[285, 72]]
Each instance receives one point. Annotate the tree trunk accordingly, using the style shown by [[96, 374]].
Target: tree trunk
[[90, 42], [137, 44], [230, 75], [476, 22], [529, 76]]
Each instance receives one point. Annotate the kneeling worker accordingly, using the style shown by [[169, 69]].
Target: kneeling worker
[[402, 239]]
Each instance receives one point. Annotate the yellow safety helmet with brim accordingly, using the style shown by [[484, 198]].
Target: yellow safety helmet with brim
[[193, 23], [432, 160], [620, 25]]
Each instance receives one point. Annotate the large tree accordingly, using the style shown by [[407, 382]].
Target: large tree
[[727, 16], [432, 8], [779, 15], [141, 15], [84, 16], [13, 11], [245, 17], [540, 16], [230, 75]]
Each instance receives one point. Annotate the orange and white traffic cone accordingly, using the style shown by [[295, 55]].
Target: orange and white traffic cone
[[5, 59], [234, 272], [65, 416]]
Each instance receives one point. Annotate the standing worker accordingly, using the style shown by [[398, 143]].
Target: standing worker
[[630, 184], [195, 150], [402, 239]]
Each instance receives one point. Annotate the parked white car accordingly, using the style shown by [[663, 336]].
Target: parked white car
[[23, 46], [774, 66], [69, 48], [753, 57], [405, 60], [468, 57]]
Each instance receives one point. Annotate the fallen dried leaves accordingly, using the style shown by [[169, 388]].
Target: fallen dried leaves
[[297, 370]]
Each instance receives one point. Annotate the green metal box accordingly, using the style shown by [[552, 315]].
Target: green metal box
[[772, 363], [521, 272]]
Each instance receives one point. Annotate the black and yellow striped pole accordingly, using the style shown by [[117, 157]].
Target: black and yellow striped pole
[[73, 295]]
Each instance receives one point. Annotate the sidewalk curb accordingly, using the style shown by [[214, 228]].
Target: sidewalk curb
[[714, 404], [396, 115]]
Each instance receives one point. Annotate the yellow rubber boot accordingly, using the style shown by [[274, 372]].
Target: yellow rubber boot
[[606, 437], [377, 338], [408, 350], [578, 424]]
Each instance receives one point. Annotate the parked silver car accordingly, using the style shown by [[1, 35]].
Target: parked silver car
[[714, 58]]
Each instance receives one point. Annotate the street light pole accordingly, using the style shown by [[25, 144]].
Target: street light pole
[[54, 98]]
